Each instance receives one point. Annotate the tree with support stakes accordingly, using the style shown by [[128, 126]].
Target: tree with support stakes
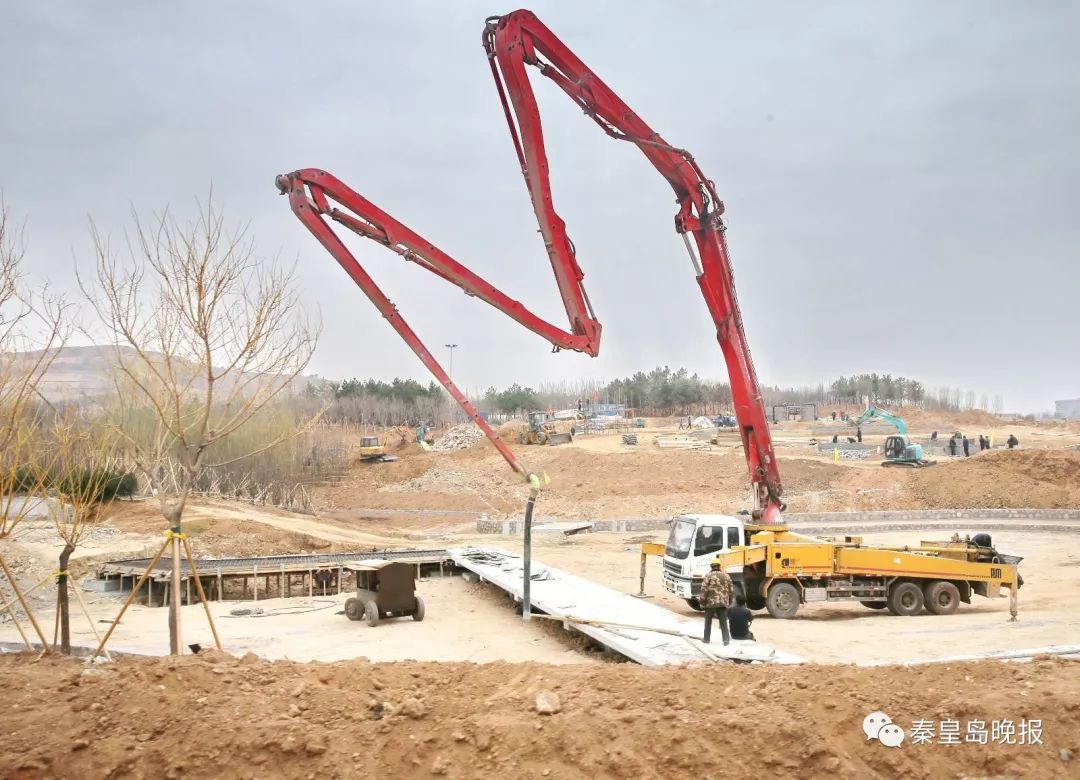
[[206, 337], [85, 474], [33, 329]]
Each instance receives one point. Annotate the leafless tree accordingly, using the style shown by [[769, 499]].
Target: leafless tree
[[84, 473], [32, 330], [206, 335]]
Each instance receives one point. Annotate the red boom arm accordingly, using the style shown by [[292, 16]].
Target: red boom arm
[[512, 42]]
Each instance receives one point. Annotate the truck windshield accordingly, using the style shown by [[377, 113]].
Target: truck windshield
[[680, 539]]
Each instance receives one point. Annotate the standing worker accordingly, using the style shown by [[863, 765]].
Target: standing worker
[[967, 446], [952, 446], [715, 598], [858, 433]]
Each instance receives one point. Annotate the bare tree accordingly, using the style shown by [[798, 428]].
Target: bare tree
[[206, 334], [84, 473], [32, 331]]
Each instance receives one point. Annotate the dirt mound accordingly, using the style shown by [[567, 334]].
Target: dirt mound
[[217, 528], [1048, 479], [214, 716]]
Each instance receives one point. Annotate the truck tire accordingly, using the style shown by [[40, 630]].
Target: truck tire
[[783, 600], [874, 604], [756, 602], [941, 597], [905, 598], [371, 613], [418, 614], [354, 610], [694, 604]]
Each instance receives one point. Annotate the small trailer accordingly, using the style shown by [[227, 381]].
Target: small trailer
[[384, 589]]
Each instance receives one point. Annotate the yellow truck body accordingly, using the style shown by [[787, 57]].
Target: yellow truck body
[[778, 569]]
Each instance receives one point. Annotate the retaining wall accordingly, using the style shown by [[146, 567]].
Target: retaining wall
[[486, 525]]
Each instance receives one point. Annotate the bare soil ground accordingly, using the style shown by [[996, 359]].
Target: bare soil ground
[[474, 714], [595, 478], [209, 716]]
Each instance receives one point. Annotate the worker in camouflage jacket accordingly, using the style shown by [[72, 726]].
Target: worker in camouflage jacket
[[715, 598]]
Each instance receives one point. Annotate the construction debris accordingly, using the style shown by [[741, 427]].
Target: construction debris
[[679, 442], [460, 437]]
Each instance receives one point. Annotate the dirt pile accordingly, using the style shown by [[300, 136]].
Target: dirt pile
[[1048, 479], [214, 716], [460, 437]]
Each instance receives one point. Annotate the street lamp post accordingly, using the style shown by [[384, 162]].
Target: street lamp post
[[450, 373], [451, 347]]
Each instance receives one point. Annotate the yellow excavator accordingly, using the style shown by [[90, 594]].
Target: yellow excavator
[[372, 449]]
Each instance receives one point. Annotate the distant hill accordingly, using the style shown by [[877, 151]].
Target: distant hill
[[84, 373], [77, 372]]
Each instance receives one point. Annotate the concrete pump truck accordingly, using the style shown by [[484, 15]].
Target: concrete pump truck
[[776, 568]]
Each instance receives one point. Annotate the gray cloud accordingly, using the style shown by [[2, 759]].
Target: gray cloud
[[901, 179]]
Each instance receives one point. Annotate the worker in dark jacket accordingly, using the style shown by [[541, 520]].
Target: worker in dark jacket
[[715, 598], [952, 446], [967, 446], [740, 618], [1012, 441]]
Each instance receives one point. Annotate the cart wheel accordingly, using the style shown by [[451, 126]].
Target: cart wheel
[[418, 615], [371, 613], [354, 610]]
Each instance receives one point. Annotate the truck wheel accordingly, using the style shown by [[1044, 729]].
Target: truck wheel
[[874, 604], [783, 600], [941, 597], [371, 613], [418, 615], [694, 604], [756, 602], [905, 598], [354, 610]]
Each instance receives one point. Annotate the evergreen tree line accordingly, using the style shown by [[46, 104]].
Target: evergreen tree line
[[662, 391]]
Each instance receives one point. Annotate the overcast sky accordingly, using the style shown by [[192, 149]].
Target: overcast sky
[[902, 180]]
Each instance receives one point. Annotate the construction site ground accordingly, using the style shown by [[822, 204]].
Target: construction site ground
[[476, 709], [209, 716]]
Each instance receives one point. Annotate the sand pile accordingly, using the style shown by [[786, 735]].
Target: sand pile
[[211, 716], [460, 437]]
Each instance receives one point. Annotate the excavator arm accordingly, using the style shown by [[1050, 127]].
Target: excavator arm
[[892, 419], [514, 42]]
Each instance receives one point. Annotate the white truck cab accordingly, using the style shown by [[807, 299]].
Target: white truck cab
[[693, 542]]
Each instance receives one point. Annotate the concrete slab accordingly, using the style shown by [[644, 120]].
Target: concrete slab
[[630, 626]]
